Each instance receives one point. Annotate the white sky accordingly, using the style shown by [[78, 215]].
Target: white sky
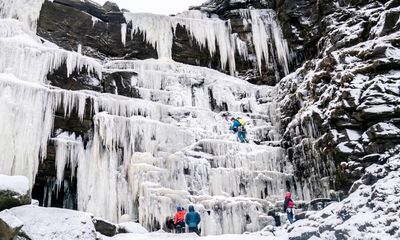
[[155, 6]]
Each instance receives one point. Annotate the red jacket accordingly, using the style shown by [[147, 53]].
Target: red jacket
[[179, 216], [288, 201]]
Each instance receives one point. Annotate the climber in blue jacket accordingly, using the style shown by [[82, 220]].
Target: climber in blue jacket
[[192, 219], [237, 127]]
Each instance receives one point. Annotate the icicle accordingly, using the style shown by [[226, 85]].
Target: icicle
[[241, 47], [79, 49], [123, 33], [69, 151]]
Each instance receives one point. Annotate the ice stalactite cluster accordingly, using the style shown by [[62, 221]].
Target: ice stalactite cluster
[[212, 32], [159, 31], [265, 26]]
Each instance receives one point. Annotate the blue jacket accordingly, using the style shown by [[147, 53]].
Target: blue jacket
[[235, 124], [192, 218]]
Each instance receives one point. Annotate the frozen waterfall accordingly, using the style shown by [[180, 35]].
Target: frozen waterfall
[[146, 155]]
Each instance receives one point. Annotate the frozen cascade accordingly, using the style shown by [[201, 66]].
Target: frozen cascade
[[147, 155]]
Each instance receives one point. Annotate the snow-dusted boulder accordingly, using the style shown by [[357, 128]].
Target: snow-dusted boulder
[[131, 227], [9, 225], [105, 227], [53, 223], [14, 191]]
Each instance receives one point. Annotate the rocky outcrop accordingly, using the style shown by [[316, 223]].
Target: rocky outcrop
[[339, 111], [369, 212]]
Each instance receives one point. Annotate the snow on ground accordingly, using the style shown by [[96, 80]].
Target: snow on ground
[[17, 184], [163, 235]]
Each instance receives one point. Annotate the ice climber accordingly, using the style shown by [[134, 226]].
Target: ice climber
[[179, 220], [238, 126], [193, 219], [288, 207]]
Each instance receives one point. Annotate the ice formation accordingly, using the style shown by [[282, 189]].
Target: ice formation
[[147, 155], [266, 26], [23, 55], [159, 31], [212, 32], [27, 12]]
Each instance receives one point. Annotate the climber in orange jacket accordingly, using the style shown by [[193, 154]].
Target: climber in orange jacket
[[179, 220]]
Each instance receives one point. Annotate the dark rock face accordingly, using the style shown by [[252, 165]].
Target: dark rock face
[[99, 34]]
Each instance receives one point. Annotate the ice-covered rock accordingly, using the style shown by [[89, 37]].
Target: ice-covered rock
[[53, 223], [14, 191]]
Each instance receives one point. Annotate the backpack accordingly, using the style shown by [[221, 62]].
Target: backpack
[[242, 121]]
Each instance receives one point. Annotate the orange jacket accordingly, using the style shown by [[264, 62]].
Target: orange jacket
[[179, 216]]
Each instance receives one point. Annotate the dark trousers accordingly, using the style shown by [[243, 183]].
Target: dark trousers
[[194, 229], [180, 227], [290, 215]]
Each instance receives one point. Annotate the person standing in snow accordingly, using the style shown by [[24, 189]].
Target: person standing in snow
[[238, 126], [288, 207], [192, 219], [179, 220]]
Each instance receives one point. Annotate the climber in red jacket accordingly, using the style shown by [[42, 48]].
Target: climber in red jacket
[[179, 220], [288, 207]]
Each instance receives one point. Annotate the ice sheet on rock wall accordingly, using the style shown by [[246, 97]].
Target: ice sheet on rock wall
[[26, 11], [159, 30]]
